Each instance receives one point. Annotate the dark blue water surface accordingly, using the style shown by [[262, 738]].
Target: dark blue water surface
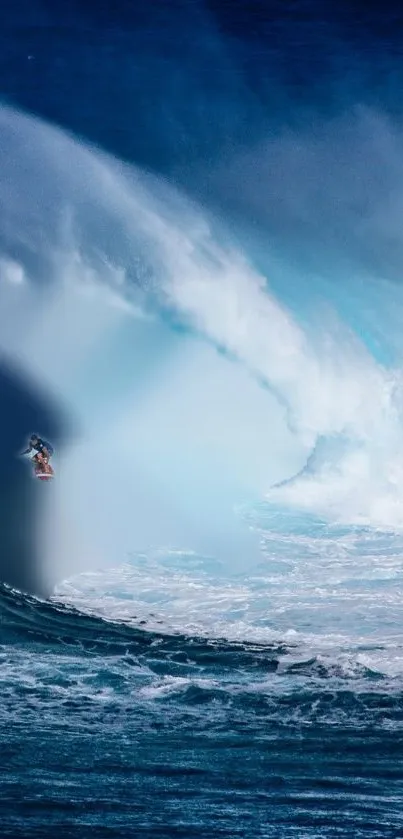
[[112, 730]]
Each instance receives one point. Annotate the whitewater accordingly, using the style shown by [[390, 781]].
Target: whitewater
[[219, 651]]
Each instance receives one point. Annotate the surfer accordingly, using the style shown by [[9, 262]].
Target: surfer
[[44, 452]]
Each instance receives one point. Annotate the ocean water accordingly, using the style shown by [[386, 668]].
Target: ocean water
[[159, 699], [201, 306]]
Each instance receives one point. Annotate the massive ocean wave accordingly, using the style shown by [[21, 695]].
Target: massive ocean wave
[[106, 268], [225, 528], [200, 619]]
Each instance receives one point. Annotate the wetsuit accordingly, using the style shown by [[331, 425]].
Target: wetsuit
[[40, 446]]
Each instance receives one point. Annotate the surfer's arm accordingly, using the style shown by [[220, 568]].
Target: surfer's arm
[[27, 451]]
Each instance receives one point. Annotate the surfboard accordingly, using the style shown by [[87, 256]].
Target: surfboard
[[44, 476]]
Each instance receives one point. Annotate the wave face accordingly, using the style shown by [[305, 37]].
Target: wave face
[[21, 512], [201, 306]]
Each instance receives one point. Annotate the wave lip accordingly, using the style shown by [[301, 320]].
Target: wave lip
[[28, 620]]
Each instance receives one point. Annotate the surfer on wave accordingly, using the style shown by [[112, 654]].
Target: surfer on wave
[[41, 459]]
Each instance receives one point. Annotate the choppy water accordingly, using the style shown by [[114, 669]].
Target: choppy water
[[159, 699]]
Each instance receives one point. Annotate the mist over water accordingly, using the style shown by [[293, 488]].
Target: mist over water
[[167, 415], [217, 385]]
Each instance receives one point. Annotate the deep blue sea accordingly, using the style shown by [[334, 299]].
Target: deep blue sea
[[201, 299]]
